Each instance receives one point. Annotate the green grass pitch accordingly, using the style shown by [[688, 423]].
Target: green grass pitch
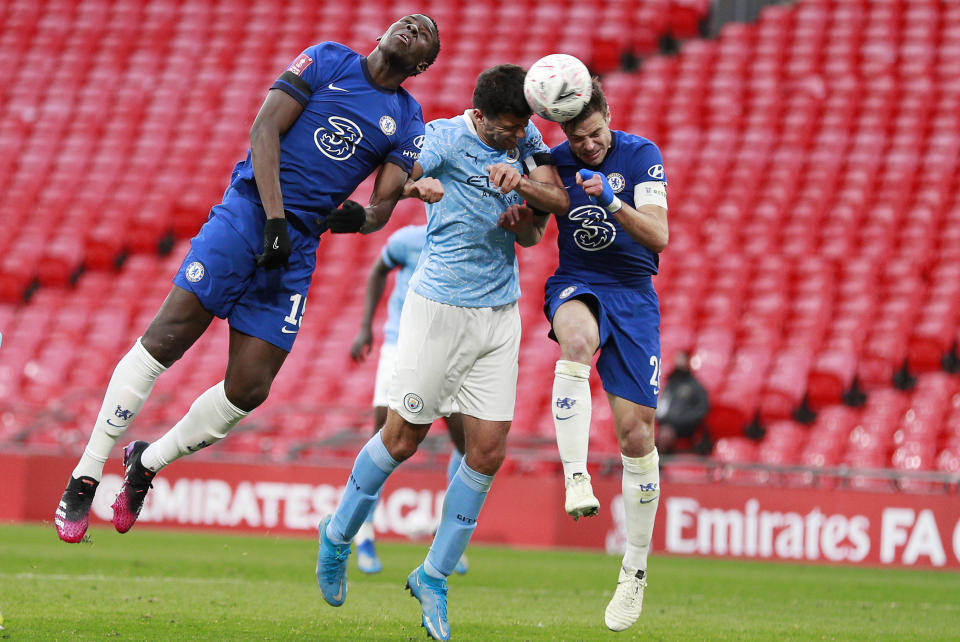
[[166, 585]]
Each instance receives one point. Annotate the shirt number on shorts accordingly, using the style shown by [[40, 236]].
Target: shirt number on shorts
[[296, 310], [655, 377]]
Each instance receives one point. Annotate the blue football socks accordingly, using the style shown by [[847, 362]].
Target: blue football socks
[[461, 507], [370, 470], [455, 458]]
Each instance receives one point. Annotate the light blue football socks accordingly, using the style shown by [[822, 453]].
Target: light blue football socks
[[461, 507], [370, 470], [455, 458]]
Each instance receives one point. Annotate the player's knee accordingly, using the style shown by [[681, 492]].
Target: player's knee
[[488, 462], [247, 395], [578, 346], [162, 346], [636, 438]]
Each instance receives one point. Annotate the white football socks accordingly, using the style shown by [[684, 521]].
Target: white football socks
[[641, 495], [571, 414], [208, 421], [129, 387]]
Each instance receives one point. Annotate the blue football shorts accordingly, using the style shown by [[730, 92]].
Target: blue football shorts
[[629, 323], [221, 270]]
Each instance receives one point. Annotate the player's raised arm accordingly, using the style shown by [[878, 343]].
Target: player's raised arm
[[544, 190]]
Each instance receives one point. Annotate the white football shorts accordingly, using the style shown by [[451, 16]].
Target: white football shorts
[[388, 358], [451, 358]]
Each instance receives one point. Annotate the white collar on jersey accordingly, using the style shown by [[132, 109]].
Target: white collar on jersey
[[469, 120]]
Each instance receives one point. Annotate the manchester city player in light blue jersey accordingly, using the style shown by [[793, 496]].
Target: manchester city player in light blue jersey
[[460, 327], [329, 121], [401, 253], [602, 298]]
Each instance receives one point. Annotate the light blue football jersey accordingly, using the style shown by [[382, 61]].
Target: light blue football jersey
[[401, 251], [468, 260]]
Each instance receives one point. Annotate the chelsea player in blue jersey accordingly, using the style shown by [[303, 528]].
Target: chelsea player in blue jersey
[[602, 298], [401, 253], [459, 333], [330, 120]]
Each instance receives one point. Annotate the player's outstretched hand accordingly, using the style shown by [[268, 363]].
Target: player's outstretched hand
[[596, 186], [427, 189], [276, 245], [504, 176], [349, 218], [514, 215], [362, 343]]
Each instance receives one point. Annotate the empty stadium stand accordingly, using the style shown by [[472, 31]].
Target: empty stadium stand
[[814, 263]]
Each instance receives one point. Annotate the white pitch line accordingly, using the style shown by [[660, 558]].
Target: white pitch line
[[59, 577]]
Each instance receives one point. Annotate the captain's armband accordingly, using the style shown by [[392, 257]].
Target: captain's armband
[[650, 193]]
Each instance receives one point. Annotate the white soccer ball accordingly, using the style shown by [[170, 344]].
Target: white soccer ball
[[557, 87]]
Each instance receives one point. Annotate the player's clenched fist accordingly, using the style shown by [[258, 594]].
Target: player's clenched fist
[[504, 176], [596, 186], [427, 189]]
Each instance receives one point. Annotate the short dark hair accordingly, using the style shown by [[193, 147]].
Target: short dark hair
[[597, 103], [499, 91]]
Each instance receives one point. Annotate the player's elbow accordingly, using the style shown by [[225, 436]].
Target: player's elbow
[[659, 242], [659, 245]]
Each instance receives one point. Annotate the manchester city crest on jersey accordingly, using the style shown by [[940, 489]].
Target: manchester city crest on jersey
[[413, 403], [616, 182], [513, 155], [194, 272], [388, 125]]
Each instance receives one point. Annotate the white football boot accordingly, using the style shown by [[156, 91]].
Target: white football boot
[[627, 602], [580, 500]]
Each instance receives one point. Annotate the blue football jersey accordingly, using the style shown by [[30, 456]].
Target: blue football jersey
[[592, 243], [349, 127], [401, 251], [469, 260]]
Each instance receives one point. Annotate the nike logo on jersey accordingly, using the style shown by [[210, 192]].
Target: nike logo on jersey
[[287, 330], [330, 86], [654, 498], [276, 244], [559, 418]]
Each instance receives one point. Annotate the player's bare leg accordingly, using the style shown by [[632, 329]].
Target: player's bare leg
[[641, 494], [579, 337], [251, 367], [180, 321]]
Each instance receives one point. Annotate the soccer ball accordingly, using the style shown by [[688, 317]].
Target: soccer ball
[[557, 87]]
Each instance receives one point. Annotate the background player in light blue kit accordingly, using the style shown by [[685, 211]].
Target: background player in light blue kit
[[330, 120], [401, 253], [460, 327], [602, 297]]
